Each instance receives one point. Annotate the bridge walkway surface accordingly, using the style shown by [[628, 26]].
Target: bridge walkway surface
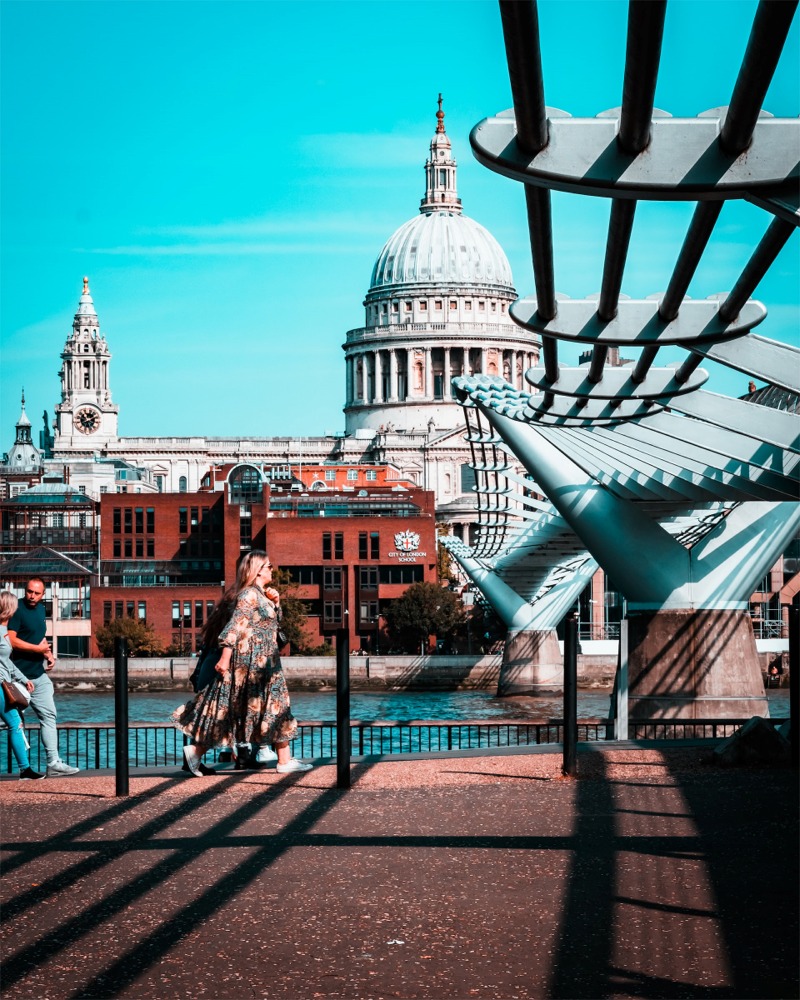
[[655, 873]]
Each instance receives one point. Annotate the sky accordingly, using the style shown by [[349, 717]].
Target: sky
[[226, 174]]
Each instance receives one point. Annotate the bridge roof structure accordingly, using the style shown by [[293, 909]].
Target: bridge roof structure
[[649, 437]]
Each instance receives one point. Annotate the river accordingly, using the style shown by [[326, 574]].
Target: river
[[98, 707]]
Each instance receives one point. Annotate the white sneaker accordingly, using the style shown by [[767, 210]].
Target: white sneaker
[[266, 755], [60, 770], [293, 764], [192, 758]]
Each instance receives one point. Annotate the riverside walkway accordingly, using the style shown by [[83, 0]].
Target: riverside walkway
[[655, 874]]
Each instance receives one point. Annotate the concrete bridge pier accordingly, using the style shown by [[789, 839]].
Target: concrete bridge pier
[[693, 664]]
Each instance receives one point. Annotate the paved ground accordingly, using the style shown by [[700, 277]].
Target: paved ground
[[654, 875]]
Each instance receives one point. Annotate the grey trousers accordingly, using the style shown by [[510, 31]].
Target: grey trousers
[[43, 704]]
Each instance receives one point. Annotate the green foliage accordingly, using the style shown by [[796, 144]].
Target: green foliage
[[142, 639], [324, 649], [294, 612], [424, 610]]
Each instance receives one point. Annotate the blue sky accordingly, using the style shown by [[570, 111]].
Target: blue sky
[[226, 174]]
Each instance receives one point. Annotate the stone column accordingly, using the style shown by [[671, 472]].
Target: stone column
[[378, 377], [447, 376], [429, 373], [393, 395], [364, 378]]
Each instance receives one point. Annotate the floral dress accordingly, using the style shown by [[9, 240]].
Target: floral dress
[[250, 704]]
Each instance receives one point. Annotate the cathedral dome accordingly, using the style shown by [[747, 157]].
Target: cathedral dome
[[442, 247]]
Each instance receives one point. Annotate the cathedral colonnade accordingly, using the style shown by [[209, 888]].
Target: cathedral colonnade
[[397, 374]]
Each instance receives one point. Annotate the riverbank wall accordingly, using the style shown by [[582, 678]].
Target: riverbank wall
[[367, 673]]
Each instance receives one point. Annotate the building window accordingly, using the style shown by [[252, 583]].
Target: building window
[[117, 548], [438, 305], [160, 484], [368, 612], [139, 512], [330, 475], [332, 578], [326, 545], [176, 614], [118, 606], [468, 305], [117, 526], [372, 476], [151, 548], [106, 612], [438, 386], [183, 519], [453, 305], [182, 484], [127, 516], [139, 548], [198, 614], [332, 614], [368, 577], [423, 306], [128, 548], [395, 307], [352, 475], [130, 609], [245, 484], [408, 307], [363, 550], [481, 307], [141, 609], [338, 545], [151, 520], [187, 614], [374, 545]]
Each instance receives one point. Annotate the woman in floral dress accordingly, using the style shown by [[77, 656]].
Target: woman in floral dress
[[249, 701]]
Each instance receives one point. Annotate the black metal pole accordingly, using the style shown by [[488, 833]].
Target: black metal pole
[[570, 764], [121, 714], [343, 708], [794, 682]]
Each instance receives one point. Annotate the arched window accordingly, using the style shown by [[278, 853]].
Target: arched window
[[182, 484], [245, 484]]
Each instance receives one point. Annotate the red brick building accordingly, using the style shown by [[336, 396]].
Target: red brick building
[[167, 558]]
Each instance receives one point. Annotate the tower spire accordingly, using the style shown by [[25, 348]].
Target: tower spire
[[441, 194]]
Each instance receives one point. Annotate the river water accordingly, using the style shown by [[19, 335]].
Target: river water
[[397, 706]]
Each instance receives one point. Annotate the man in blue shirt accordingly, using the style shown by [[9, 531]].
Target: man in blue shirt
[[31, 652]]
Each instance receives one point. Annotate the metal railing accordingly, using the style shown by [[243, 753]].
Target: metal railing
[[93, 747]]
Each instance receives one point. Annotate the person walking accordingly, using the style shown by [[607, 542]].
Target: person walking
[[249, 700], [31, 654], [8, 672]]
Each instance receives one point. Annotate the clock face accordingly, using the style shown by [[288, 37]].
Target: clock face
[[87, 420]]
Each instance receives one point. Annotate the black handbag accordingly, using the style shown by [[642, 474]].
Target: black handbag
[[282, 637]]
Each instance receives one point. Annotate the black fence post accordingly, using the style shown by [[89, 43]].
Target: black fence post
[[121, 714], [343, 708], [570, 764], [794, 682]]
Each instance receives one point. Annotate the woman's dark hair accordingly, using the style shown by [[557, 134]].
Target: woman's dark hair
[[219, 618]]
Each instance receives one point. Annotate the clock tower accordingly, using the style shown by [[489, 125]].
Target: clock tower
[[86, 418]]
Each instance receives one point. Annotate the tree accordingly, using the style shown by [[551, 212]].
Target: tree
[[294, 611], [425, 609], [142, 639]]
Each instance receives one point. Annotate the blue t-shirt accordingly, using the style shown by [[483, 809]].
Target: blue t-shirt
[[30, 626]]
